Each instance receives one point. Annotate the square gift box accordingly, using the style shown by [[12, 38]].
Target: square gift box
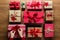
[[17, 31], [14, 16], [49, 16], [34, 4], [48, 4], [33, 17], [49, 30]]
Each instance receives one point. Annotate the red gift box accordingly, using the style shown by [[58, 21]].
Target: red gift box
[[33, 17], [14, 5], [49, 30], [19, 29]]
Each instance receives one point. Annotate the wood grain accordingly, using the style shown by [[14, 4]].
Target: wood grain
[[4, 19]]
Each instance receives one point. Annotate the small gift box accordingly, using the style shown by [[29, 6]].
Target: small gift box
[[49, 15], [34, 32], [17, 31], [14, 5], [14, 16], [48, 4], [49, 30], [33, 17], [34, 4], [23, 4]]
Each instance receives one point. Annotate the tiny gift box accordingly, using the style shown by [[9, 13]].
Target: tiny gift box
[[33, 17], [49, 15], [34, 4], [48, 4], [14, 16], [23, 2], [34, 32], [49, 30], [17, 31]]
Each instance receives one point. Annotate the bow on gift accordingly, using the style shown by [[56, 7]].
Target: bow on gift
[[34, 32], [48, 30], [16, 28], [34, 4], [46, 4]]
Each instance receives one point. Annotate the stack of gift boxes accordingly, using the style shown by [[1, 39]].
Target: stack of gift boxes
[[30, 20]]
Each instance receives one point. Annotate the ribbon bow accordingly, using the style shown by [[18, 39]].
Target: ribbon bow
[[48, 30], [46, 4]]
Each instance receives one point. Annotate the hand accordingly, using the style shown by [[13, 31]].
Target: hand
[[20, 31], [12, 33]]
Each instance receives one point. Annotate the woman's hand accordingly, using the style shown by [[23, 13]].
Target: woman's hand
[[12, 33]]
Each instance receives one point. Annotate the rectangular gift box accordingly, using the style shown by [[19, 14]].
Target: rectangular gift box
[[14, 16], [48, 4], [49, 16], [14, 5], [17, 31], [49, 30], [34, 33], [34, 4], [33, 17]]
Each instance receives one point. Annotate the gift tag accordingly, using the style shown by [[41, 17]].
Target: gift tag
[[49, 15], [33, 17], [14, 16], [49, 30], [48, 5], [34, 32], [34, 4], [17, 31]]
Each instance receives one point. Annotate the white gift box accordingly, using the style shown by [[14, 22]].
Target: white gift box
[[48, 4], [49, 15], [14, 16]]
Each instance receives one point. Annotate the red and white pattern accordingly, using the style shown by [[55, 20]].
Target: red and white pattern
[[16, 31], [14, 16], [48, 4], [34, 4], [34, 32], [49, 15]]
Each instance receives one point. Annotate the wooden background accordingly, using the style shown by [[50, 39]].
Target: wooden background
[[4, 19]]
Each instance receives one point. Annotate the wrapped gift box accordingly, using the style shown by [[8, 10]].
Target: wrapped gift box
[[34, 31], [49, 30], [49, 15], [48, 4], [34, 4], [33, 17], [14, 5], [23, 4], [19, 29], [14, 16]]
